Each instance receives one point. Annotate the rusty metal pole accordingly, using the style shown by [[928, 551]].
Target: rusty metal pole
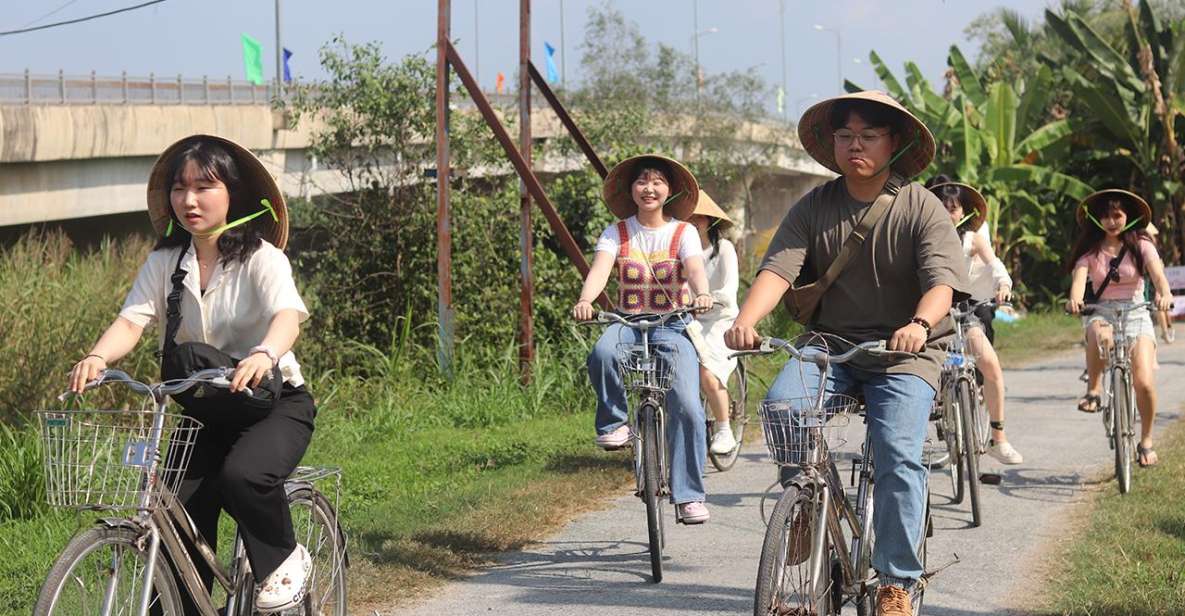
[[444, 240], [526, 332]]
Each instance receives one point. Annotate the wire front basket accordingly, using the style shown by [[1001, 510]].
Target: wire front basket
[[115, 460], [646, 369], [796, 433]]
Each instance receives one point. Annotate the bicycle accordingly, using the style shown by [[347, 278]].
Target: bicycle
[[963, 419], [808, 565], [1118, 400], [646, 371], [133, 461], [738, 418]]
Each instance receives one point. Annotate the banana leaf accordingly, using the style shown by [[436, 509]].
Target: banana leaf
[[1043, 137], [886, 76], [1041, 176], [969, 82], [1000, 121]]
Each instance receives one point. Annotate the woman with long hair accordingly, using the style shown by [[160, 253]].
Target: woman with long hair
[[1113, 244]]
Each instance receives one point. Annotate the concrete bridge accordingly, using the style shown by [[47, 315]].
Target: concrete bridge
[[61, 162]]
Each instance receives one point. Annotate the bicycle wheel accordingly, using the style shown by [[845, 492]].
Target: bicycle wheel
[[737, 418], [983, 426], [967, 410], [927, 531], [792, 577], [866, 600], [101, 571], [651, 487], [314, 523], [952, 434], [1121, 413]]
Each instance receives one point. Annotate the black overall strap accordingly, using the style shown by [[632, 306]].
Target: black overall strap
[[1112, 272], [173, 303]]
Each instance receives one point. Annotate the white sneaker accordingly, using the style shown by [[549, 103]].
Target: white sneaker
[[284, 589], [1005, 453], [615, 439], [722, 442]]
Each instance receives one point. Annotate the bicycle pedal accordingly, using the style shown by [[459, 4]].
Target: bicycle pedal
[[933, 572], [991, 479]]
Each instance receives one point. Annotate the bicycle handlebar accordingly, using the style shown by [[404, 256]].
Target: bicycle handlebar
[[819, 356], [1090, 309], [639, 321], [218, 377], [959, 314]]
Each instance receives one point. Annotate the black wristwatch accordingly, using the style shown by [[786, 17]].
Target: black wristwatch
[[925, 325]]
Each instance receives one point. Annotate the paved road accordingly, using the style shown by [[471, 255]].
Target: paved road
[[598, 564]]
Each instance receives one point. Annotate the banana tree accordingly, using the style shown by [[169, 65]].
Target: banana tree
[[1136, 103], [998, 141]]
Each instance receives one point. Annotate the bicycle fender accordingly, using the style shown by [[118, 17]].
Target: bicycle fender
[[114, 523]]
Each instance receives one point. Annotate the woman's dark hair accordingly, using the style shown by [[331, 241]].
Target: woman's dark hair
[[1090, 235], [874, 114], [652, 164], [213, 162], [951, 193], [714, 236]]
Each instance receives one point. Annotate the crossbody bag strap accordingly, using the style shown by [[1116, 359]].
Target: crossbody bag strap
[[1112, 272], [857, 236], [173, 303]]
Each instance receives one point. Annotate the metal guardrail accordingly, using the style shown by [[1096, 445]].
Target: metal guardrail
[[62, 89]]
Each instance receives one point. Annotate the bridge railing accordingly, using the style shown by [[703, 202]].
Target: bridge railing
[[62, 89]]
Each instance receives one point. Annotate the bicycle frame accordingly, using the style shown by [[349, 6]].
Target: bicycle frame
[[164, 526], [653, 400]]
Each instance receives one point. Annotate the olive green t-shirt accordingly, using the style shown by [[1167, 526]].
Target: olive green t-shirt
[[912, 249]]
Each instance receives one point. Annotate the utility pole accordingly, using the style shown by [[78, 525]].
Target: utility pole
[[476, 45], [444, 239], [785, 88], [279, 55], [563, 51], [526, 330]]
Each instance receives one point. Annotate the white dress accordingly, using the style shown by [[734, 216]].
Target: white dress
[[707, 332]]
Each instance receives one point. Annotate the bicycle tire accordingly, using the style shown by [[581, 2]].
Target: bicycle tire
[[775, 568], [983, 425], [651, 488], [866, 600], [322, 536], [953, 435], [50, 600], [927, 531], [737, 418], [970, 450], [1121, 440]]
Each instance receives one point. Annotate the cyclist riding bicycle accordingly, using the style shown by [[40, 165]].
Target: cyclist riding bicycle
[[1114, 252], [657, 257], [988, 279], [707, 332], [223, 291], [897, 286]]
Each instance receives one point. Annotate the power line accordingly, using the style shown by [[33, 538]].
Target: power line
[[50, 14], [81, 19]]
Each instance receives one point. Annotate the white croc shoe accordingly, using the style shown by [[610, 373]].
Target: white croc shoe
[[284, 589]]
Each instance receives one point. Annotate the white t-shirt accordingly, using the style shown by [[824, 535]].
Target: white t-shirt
[[653, 245], [236, 310]]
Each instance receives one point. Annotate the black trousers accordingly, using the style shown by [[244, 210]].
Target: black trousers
[[239, 463]]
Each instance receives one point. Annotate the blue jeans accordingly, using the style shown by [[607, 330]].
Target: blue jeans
[[686, 442], [898, 413]]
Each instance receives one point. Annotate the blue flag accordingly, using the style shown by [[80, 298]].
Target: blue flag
[[553, 75], [287, 71]]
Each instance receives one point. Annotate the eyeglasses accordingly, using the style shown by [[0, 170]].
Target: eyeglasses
[[845, 138]]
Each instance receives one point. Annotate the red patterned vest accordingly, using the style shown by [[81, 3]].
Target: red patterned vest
[[645, 286]]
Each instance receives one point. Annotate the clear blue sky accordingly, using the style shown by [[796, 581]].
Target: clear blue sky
[[196, 37]]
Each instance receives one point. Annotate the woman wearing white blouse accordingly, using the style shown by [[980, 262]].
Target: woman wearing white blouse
[[708, 332], [237, 294], [989, 279]]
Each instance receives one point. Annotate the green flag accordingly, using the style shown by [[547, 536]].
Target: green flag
[[253, 60]]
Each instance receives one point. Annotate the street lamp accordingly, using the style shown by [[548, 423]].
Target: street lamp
[[838, 51], [695, 47], [782, 26]]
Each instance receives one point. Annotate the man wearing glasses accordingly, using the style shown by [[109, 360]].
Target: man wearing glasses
[[898, 286]]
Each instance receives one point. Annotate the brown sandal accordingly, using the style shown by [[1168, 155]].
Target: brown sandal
[[1089, 403]]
